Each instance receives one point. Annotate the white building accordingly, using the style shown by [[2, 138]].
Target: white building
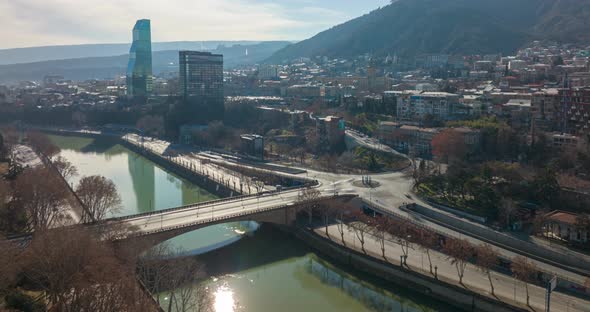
[[266, 72], [415, 106]]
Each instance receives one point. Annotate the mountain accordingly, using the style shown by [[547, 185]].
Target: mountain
[[111, 66], [408, 27], [48, 53]]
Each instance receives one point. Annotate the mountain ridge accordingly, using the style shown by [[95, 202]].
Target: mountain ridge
[[110, 66], [407, 27], [62, 52]]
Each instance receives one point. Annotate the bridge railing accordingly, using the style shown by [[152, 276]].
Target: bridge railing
[[202, 204], [224, 218]]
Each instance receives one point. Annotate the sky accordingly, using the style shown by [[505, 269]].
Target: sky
[[27, 23]]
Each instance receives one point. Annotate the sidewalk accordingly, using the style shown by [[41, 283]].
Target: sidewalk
[[199, 164], [507, 289]]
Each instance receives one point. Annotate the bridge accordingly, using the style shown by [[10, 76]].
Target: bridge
[[277, 207]]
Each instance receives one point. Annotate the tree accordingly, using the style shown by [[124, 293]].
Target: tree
[[328, 210], [459, 252], [428, 240], [42, 196], [361, 226], [308, 199], [151, 125], [525, 271], [163, 269], [42, 144], [545, 186], [405, 234], [78, 272], [341, 224], [9, 268], [65, 168], [99, 196], [383, 226], [13, 219], [449, 146], [486, 260]]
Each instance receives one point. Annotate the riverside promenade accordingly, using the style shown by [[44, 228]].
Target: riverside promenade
[[507, 289]]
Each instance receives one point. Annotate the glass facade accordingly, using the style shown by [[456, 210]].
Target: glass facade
[[201, 76], [139, 69]]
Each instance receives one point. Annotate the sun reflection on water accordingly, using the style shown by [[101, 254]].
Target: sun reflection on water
[[224, 300]]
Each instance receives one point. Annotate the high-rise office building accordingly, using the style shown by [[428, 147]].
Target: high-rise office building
[[201, 84], [201, 75], [139, 69]]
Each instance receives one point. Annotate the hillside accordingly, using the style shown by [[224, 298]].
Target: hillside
[[111, 66], [409, 27]]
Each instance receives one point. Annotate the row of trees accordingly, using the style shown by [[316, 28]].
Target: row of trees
[[408, 236], [38, 198]]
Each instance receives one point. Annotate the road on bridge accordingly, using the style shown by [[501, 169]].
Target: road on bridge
[[209, 212]]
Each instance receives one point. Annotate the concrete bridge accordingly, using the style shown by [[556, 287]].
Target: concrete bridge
[[280, 208]]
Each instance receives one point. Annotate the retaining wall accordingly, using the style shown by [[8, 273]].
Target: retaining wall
[[451, 294]]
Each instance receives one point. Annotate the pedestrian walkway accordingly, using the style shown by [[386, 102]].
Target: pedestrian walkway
[[507, 289]]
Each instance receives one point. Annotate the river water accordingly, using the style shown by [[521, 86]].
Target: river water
[[259, 269]]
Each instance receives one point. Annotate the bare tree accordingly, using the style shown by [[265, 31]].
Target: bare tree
[[78, 272], [383, 226], [9, 268], [486, 260], [99, 196], [428, 241], [65, 167], [164, 270], [42, 144], [42, 196], [405, 235], [329, 211], [525, 271], [308, 199], [361, 226], [459, 252]]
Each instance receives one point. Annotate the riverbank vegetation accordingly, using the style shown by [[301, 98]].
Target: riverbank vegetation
[[49, 261]]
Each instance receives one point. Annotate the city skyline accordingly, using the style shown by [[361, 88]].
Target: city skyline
[[55, 22]]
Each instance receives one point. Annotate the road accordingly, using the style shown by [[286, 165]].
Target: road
[[395, 189], [208, 212], [371, 143], [507, 289]]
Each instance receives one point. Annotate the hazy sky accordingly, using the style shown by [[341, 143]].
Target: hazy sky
[[55, 22]]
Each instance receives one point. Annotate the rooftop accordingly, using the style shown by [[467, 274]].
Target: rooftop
[[562, 216]]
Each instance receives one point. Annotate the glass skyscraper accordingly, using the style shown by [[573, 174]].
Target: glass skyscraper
[[139, 69]]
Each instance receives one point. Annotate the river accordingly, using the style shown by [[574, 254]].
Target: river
[[260, 270]]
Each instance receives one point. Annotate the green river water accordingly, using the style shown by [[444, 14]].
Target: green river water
[[253, 269]]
